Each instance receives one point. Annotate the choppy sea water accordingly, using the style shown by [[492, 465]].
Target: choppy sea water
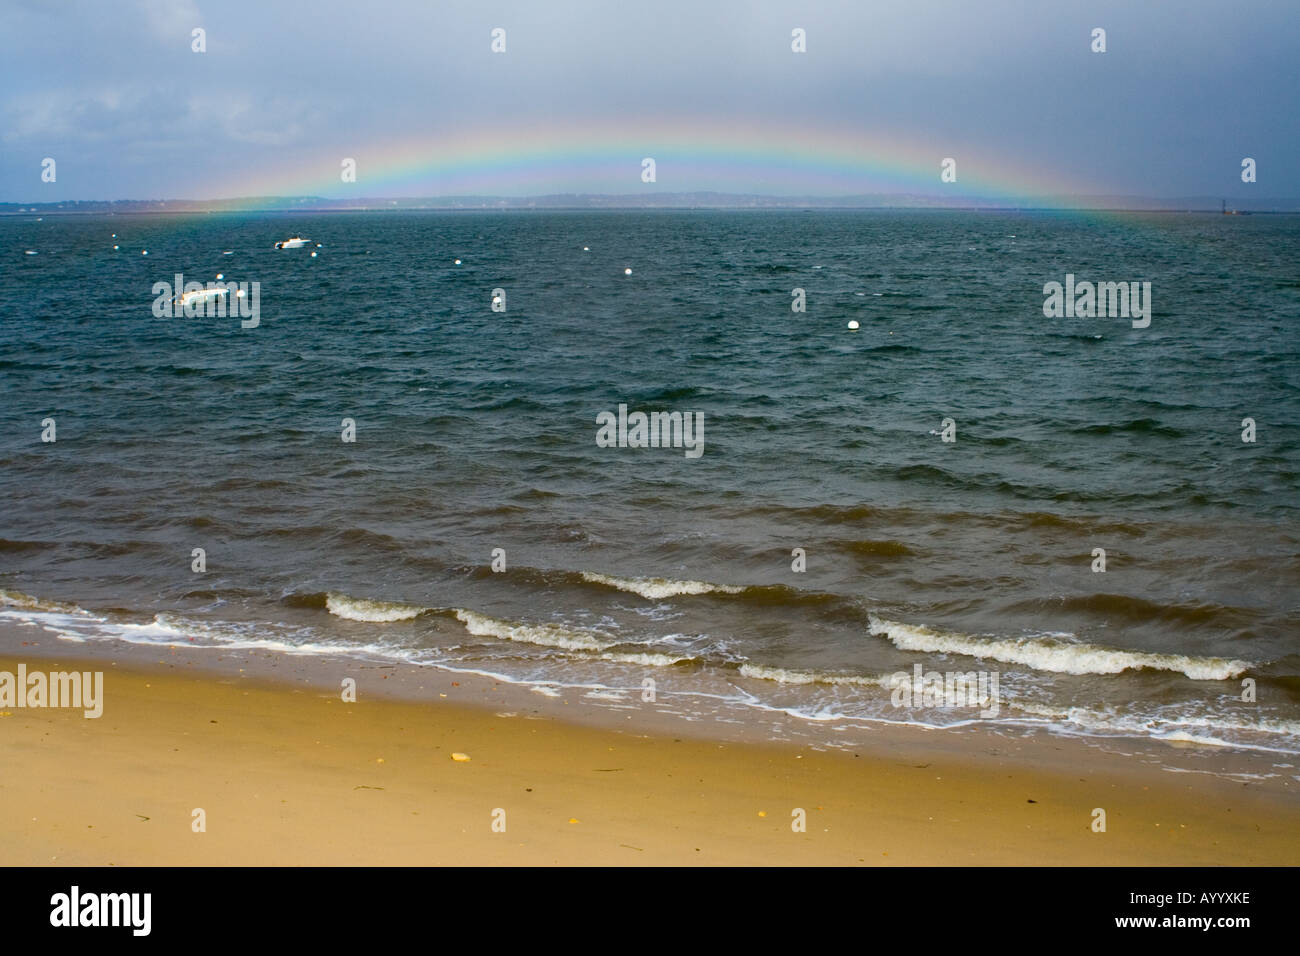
[[476, 429]]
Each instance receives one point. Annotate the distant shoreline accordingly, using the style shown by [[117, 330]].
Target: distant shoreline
[[674, 201]]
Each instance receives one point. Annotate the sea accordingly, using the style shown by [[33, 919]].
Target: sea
[[425, 448]]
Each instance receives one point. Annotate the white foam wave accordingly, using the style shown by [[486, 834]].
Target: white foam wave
[[370, 612], [783, 676], [1268, 735], [650, 659], [28, 602], [1051, 654], [76, 624], [548, 635], [655, 589]]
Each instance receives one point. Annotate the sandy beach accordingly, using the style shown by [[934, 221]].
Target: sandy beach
[[286, 772]]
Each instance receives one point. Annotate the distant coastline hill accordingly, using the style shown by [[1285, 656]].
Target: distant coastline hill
[[701, 200]]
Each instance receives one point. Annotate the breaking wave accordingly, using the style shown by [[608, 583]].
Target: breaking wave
[[1053, 654], [656, 589]]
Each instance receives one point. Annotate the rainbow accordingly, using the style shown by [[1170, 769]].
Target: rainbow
[[726, 154]]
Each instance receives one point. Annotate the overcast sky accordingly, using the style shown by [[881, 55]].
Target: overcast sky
[[113, 92]]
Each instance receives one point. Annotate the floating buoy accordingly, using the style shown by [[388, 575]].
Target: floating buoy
[[115, 248], [144, 252], [853, 324], [457, 262], [585, 249], [627, 272], [220, 276]]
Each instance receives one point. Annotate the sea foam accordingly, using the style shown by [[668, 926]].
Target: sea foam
[[372, 612], [655, 589], [547, 635], [783, 676], [1050, 654]]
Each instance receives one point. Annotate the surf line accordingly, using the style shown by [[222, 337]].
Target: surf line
[[656, 430]]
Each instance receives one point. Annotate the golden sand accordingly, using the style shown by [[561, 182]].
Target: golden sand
[[284, 775]]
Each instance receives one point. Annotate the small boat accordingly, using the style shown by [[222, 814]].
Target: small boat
[[297, 242]]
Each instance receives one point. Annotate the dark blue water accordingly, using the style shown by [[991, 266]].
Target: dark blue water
[[476, 429]]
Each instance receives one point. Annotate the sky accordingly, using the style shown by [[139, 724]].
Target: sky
[[586, 90]]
